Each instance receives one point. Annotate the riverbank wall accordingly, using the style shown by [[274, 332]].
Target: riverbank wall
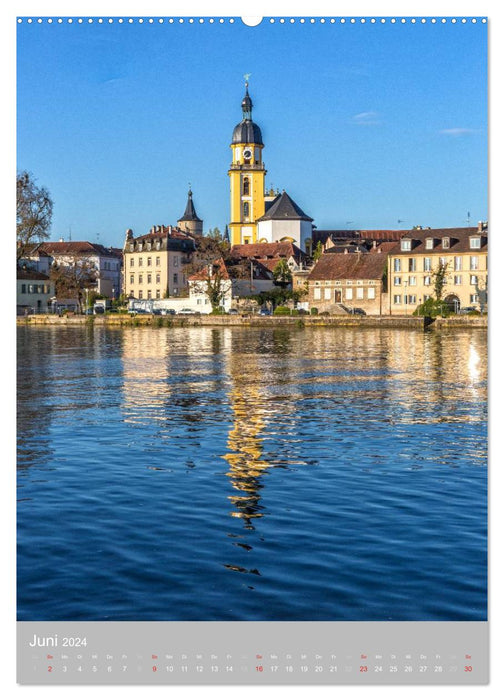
[[122, 320]]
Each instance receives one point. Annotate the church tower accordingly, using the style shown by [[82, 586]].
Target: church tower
[[190, 221], [246, 175]]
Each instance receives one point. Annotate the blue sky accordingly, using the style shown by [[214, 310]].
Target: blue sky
[[363, 124]]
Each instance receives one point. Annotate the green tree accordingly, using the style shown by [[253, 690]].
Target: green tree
[[282, 273], [317, 253], [75, 279], [34, 208], [440, 280]]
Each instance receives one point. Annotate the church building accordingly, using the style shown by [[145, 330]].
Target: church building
[[258, 216]]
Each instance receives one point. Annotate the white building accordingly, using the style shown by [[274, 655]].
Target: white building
[[285, 221]]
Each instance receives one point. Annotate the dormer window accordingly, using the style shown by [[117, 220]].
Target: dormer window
[[406, 244], [132, 247], [140, 247], [429, 243], [446, 242], [158, 245], [148, 245], [475, 242]]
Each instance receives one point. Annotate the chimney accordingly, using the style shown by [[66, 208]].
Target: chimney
[[480, 227]]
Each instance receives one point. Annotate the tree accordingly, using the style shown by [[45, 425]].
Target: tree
[[282, 273], [440, 280], [33, 213], [74, 278], [213, 281], [318, 251]]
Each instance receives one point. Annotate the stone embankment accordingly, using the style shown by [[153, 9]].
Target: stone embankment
[[118, 320]]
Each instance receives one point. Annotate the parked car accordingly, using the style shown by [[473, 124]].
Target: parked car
[[233, 312], [88, 312], [187, 311], [264, 312], [467, 310], [358, 312], [167, 312]]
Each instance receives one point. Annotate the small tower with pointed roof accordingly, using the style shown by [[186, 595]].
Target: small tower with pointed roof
[[190, 221], [246, 175]]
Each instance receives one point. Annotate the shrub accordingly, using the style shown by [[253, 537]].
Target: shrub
[[432, 308], [325, 313], [282, 311], [314, 311]]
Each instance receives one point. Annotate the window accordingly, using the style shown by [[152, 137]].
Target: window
[[157, 246], [349, 293], [132, 279], [458, 262], [473, 263], [360, 293], [427, 280], [397, 298], [317, 293], [149, 245], [412, 299], [149, 278], [474, 279], [132, 247], [175, 278], [175, 261], [158, 278], [23, 289], [246, 210], [412, 281], [140, 247], [442, 261], [132, 262], [473, 298], [158, 261], [371, 293], [140, 279], [140, 294], [149, 262], [445, 242], [246, 186], [427, 264], [475, 242], [397, 264], [149, 296], [327, 294], [457, 279], [140, 262], [406, 244], [158, 294], [411, 264], [429, 243]]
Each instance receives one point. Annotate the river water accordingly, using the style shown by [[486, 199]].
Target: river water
[[251, 474]]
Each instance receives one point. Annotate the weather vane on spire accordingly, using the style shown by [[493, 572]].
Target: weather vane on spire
[[247, 76]]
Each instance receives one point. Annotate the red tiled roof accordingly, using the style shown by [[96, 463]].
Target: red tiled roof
[[203, 273], [75, 248], [332, 266], [22, 274], [262, 251]]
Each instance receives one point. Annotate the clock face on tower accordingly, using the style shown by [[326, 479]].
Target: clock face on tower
[[247, 153]]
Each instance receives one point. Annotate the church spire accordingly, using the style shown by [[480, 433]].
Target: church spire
[[190, 221]]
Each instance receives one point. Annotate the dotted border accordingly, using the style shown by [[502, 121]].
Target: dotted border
[[265, 20]]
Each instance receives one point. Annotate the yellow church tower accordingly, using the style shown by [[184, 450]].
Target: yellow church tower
[[246, 175]]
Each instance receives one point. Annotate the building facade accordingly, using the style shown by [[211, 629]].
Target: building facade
[[34, 291], [105, 263], [341, 282], [416, 260], [154, 263]]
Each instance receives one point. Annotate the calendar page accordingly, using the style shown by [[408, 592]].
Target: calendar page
[[252, 304]]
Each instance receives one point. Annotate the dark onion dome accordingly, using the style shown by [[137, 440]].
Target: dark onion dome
[[190, 211], [246, 131]]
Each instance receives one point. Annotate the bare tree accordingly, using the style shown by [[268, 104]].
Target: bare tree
[[33, 213], [74, 278]]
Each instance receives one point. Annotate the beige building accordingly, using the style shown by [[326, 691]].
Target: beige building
[[342, 282], [34, 291], [154, 263], [414, 261]]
